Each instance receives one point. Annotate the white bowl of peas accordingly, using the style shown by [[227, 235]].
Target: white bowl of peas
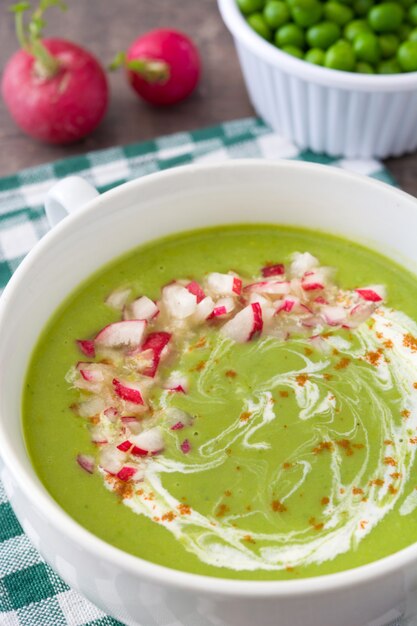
[[337, 77]]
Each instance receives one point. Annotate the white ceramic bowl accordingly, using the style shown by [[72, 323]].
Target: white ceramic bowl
[[338, 113], [135, 591]]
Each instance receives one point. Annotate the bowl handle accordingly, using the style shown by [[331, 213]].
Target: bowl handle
[[68, 196]]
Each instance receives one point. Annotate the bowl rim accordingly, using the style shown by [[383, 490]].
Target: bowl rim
[[262, 48], [31, 486]]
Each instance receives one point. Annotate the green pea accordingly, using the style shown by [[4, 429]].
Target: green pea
[[290, 35], [276, 13], [361, 7], [338, 13], [407, 56], [389, 66], [323, 35], [366, 47], [315, 56], [257, 22], [340, 56], [356, 27], [386, 17], [413, 35], [295, 51], [364, 68], [412, 15], [388, 44], [250, 6], [305, 13], [404, 31]]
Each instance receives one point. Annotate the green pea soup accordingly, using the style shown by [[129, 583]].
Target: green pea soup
[[285, 479]]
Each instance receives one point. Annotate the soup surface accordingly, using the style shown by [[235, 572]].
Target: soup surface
[[282, 446]]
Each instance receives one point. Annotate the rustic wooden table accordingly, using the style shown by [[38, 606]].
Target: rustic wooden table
[[106, 27]]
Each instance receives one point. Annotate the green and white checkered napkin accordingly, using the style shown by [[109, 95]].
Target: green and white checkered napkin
[[31, 594]]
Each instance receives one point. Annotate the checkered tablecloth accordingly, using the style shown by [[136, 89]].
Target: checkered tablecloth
[[31, 594]]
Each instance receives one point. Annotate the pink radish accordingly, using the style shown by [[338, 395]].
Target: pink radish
[[118, 298], [125, 446], [141, 309], [196, 289], [111, 413], [178, 301], [334, 315], [87, 347], [273, 287], [91, 407], [127, 334], [127, 391], [112, 459], [163, 66], [177, 426], [86, 462], [54, 90], [302, 263], [185, 446], [374, 293], [148, 442], [203, 310], [224, 284], [286, 305], [245, 324], [224, 306], [176, 382], [315, 280], [273, 270], [126, 473], [156, 342]]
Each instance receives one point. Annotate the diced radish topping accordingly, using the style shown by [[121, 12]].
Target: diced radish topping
[[127, 334], [203, 310], [141, 309], [273, 270], [218, 311], [185, 446], [373, 293], [129, 419], [273, 287], [111, 413], [176, 382], [155, 342], [126, 473], [177, 419], [287, 305], [334, 315], [86, 462], [148, 442], [91, 372], [125, 374], [314, 280], [237, 286], [112, 459], [302, 263], [224, 284], [124, 446], [87, 347], [195, 288], [178, 301], [127, 391], [243, 326], [118, 298], [91, 407]]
